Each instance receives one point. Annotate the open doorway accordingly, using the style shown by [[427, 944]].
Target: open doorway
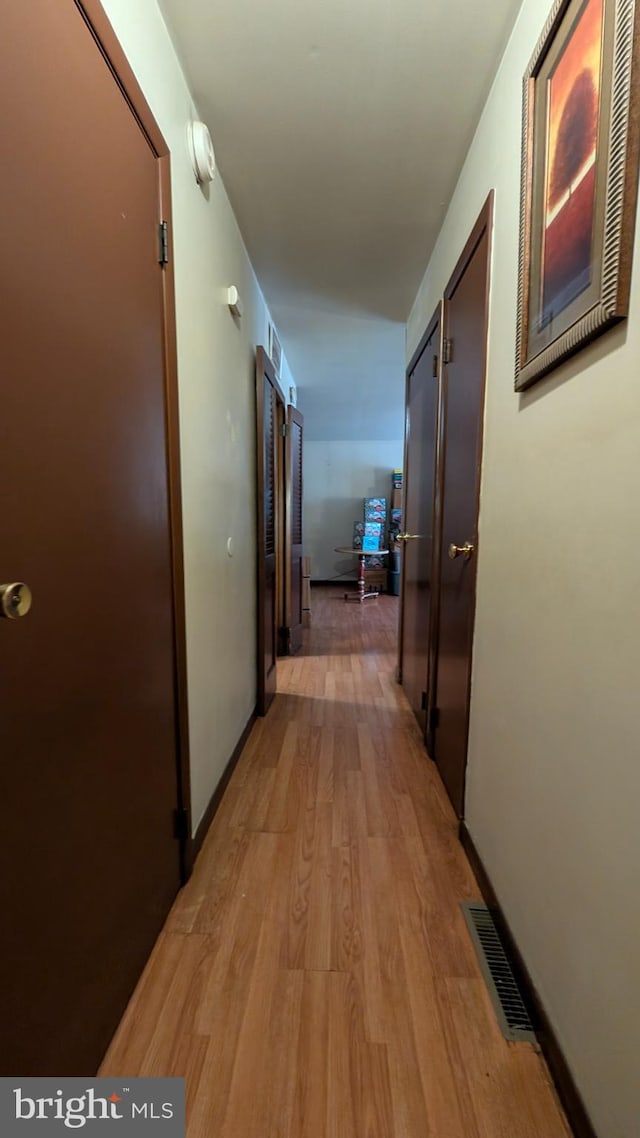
[[354, 441]]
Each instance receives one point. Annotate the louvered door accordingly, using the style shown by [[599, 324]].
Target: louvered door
[[269, 404], [293, 607]]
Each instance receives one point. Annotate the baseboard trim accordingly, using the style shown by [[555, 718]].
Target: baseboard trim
[[568, 1092], [339, 582], [216, 798]]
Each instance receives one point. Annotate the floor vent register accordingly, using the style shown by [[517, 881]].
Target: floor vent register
[[506, 997]]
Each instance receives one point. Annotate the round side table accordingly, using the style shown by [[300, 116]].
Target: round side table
[[361, 595]]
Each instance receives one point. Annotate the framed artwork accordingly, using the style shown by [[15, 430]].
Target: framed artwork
[[275, 351], [579, 181]]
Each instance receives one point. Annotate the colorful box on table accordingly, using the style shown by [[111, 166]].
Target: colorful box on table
[[396, 480], [375, 510], [358, 534], [372, 537]]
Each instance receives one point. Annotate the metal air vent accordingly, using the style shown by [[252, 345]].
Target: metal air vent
[[506, 997]]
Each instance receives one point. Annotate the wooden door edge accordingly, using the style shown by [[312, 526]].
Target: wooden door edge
[[436, 552], [112, 51], [436, 319], [261, 363], [176, 525], [484, 223], [103, 33]]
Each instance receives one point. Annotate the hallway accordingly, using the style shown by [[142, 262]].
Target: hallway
[[315, 977]]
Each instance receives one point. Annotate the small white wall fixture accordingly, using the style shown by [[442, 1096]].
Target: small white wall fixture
[[201, 152], [234, 301]]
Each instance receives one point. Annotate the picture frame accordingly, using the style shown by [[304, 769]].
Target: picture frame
[[275, 351], [579, 181]]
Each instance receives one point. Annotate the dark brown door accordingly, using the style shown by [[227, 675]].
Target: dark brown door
[[270, 414], [293, 611], [88, 724], [422, 404], [465, 317]]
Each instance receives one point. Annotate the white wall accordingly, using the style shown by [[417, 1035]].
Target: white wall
[[338, 475], [554, 758], [217, 416], [350, 371]]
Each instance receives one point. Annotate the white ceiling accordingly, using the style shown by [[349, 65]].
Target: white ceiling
[[340, 127]]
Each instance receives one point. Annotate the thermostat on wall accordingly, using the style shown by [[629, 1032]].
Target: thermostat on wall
[[201, 151]]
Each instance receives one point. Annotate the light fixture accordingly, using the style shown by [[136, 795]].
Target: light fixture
[[234, 301], [201, 152]]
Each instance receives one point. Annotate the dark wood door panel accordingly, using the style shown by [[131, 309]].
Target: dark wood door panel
[[465, 314], [419, 585], [89, 725]]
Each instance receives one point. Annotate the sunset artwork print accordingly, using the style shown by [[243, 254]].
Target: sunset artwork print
[[571, 152], [579, 184]]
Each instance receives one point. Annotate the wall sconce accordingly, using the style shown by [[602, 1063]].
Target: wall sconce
[[234, 301], [203, 158]]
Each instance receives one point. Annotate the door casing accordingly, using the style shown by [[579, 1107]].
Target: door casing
[[432, 341], [98, 22]]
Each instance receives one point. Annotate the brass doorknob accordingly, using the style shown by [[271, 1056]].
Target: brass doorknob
[[408, 536], [15, 600], [467, 550]]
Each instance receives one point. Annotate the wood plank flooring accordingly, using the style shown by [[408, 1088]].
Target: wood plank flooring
[[315, 978]]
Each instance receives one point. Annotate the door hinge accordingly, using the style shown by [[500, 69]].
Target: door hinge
[[447, 351], [181, 824], [163, 243], [434, 718], [284, 430], [435, 367], [423, 701]]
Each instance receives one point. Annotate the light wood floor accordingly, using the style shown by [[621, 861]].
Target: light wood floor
[[315, 978]]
